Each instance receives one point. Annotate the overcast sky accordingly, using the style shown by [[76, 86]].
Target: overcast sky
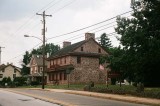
[[18, 17]]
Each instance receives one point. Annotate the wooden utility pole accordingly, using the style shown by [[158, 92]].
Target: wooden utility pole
[[0, 53], [43, 33]]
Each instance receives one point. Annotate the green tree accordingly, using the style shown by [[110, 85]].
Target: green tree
[[26, 60], [141, 42], [49, 48], [105, 41], [106, 44]]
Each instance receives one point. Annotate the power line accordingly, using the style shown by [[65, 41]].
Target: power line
[[82, 29], [90, 25], [64, 6]]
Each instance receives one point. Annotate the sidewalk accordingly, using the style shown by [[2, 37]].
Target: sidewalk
[[127, 98]]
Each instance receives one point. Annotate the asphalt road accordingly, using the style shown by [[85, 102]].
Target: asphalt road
[[77, 100], [13, 99]]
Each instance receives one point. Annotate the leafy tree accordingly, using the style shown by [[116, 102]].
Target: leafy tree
[[20, 81], [105, 41], [49, 48], [141, 42], [106, 44], [26, 60]]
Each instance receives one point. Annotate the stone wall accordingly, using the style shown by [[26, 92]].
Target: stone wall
[[87, 71]]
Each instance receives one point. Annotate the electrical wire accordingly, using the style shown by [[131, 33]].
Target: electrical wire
[[77, 31], [90, 25]]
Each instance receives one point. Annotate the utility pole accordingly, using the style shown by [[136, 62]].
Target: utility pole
[[0, 53], [43, 33]]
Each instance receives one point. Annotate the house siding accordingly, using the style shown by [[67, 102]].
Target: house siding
[[90, 47], [9, 71]]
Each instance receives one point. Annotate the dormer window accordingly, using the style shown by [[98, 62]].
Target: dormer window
[[81, 48]]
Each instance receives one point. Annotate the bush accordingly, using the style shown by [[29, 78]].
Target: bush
[[34, 83], [20, 81], [7, 81]]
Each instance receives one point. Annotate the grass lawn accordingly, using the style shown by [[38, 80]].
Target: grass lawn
[[112, 89]]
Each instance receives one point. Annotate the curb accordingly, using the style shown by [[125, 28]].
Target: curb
[[43, 98], [125, 98]]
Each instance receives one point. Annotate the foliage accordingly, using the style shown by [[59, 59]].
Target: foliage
[[26, 60], [6, 80], [105, 41], [34, 83], [20, 81], [49, 48], [106, 44], [141, 42]]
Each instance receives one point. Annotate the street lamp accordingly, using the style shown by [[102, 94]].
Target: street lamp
[[43, 56]]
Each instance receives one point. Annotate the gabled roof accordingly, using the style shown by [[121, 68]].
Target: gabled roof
[[38, 59], [3, 66], [67, 49]]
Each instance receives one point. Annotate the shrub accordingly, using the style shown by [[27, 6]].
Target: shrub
[[34, 83], [6, 80], [20, 81]]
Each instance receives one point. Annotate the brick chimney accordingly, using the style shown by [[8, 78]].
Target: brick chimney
[[66, 43], [89, 35]]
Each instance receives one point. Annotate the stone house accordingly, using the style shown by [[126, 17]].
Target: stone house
[[9, 70], [77, 63], [36, 68]]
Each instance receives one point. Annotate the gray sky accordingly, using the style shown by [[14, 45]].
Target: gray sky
[[18, 17]]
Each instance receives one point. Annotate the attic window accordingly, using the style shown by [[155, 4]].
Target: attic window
[[99, 50], [81, 48]]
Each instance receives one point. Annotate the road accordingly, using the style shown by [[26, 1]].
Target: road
[[76, 100], [13, 99]]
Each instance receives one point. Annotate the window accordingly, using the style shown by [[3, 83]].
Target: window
[[65, 60], [50, 77], [60, 76], [1, 75], [65, 76], [56, 61], [14, 70], [78, 59], [60, 60], [41, 69], [99, 50], [14, 75], [53, 77], [81, 48]]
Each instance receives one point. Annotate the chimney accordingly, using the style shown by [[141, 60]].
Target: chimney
[[65, 44], [89, 35]]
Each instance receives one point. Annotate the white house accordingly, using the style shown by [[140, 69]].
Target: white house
[[9, 70]]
